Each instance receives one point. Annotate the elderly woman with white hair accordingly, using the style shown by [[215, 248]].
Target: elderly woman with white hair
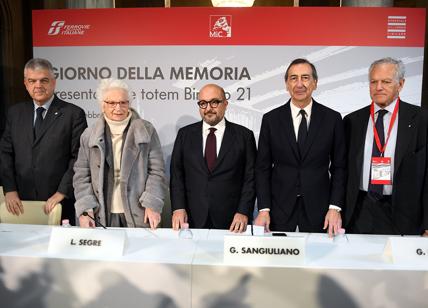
[[119, 173]]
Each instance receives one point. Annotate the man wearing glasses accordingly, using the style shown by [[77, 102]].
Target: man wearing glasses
[[212, 169], [40, 145]]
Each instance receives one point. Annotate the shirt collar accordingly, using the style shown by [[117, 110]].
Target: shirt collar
[[389, 108], [220, 125], [45, 105], [295, 110]]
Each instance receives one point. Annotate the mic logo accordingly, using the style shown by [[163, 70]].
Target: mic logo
[[56, 27], [220, 26]]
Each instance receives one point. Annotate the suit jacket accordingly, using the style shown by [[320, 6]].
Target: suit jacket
[[36, 169], [227, 190], [410, 187], [320, 170]]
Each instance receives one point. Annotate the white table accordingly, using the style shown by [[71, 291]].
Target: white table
[[161, 270]]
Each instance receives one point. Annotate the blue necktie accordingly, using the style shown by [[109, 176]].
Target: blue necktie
[[376, 190], [39, 122]]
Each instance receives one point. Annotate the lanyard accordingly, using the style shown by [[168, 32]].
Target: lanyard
[[391, 124]]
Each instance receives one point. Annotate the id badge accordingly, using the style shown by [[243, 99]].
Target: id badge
[[381, 170]]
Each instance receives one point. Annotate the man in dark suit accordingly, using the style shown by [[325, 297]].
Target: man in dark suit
[[387, 187], [300, 168], [40, 144], [212, 169]]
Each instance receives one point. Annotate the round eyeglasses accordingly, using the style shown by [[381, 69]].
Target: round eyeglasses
[[113, 105], [213, 103]]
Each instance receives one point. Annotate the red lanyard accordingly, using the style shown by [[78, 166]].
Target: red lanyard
[[391, 124]]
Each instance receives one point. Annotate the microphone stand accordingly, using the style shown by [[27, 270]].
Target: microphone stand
[[97, 222]]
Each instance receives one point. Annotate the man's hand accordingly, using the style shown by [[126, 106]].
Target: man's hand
[[333, 221], [239, 223], [53, 201], [152, 217], [178, 218], [263, 219], [425, 233], [13, 203]]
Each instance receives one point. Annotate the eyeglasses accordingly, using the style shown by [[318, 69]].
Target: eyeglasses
[[113, 105], [213, 103]]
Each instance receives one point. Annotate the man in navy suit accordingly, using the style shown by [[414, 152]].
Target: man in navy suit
[[40, 145], [300, 168], [212, 169], [387, 187]]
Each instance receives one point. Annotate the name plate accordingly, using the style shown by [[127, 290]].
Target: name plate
[[258, 250], [87, 242], [407, 250]]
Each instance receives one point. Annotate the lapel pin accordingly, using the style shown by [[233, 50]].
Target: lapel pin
[[410, 125], [56, 113]]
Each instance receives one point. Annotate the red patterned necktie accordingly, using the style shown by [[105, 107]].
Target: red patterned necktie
[[211, 149]]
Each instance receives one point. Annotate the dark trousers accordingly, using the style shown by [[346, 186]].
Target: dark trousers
[[208, 223], [298, 217], [117, 220], [372, 216], [68, 211]]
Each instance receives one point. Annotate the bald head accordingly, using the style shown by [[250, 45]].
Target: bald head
[[212, 87]]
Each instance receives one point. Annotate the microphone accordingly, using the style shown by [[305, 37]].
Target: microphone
[[97, 222]]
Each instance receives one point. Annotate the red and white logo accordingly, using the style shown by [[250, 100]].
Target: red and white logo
[[220, 26], [59, 27], [56, 27], [396, 27]]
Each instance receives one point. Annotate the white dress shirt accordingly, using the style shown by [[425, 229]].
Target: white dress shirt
[[390, 147], [219, 133], [45, 106], [297, 118]]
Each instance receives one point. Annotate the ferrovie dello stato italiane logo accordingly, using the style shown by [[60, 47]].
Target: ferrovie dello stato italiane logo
[[220, 26], [60, 27]]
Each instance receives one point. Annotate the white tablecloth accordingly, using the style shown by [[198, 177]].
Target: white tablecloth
[[159, 269]]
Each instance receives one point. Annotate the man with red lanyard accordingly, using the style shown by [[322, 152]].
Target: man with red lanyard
[[387, 187]]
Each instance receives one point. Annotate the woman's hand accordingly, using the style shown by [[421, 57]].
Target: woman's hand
[[152, 217]]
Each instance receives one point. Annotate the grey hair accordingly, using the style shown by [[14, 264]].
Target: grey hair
[[109, 84], [39, 64], [302, 61], [400, 70]]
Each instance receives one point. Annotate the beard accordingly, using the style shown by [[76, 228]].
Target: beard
[[211, 118]]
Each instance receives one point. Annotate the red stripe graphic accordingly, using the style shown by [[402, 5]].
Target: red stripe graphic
[[229, 26]]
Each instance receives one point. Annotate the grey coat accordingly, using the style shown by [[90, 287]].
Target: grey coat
[[142, 174]]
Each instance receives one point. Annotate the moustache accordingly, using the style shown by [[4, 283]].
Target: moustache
[[210, 112], [301, 88]]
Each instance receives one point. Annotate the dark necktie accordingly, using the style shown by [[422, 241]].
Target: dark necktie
[[211, 149], [376, 190], [303, 131], [39, 121]]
